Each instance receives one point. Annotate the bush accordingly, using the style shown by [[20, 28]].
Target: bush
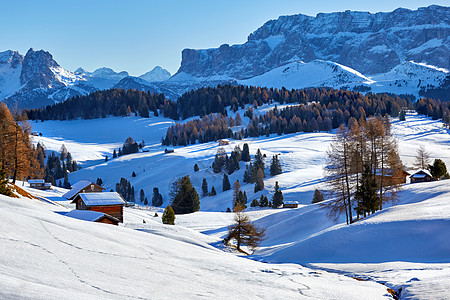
[[168, 216]]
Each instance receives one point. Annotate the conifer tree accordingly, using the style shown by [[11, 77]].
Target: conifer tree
[[243, 231], [157, 199], [168, 216], [4, 188], [263, 201], [133, 174], [213, 191], [141, 195], [236, 190], [185, 198], [318, 197], [438, 169], [254, 203], [196, 169], [277, 199], [275, 166], [225, 183], [204, 188], [114, 154], [259, 184], [259, 161], [245, 156], [99, 181]]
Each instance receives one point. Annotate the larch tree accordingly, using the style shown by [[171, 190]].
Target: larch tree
[[243, 231], [422, 158], [168, 216]]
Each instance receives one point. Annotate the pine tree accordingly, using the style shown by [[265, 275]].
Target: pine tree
[[318, 197], [99, 181], [244, 232], [133, 174], [366, 193], [185, 198], [141, 195], [225, 183], [259, 160], [157, 199], [254, 203], [277, 199], [106, 158], [213, 191], [63, 152], [438, 169], [114, 154], [245, 156], [204, 188], [145, 201], [263, 201], [275, 166], [4, 188], [168, 216], [259, 184], [196, 169], [402, 115]]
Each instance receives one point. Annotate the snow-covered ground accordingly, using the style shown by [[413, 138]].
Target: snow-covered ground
[[405, 245], [46, 255]]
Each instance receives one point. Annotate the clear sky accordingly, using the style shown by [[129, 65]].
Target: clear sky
[[136, 35]]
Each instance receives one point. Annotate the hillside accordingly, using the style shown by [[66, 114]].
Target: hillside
[[56, 257]]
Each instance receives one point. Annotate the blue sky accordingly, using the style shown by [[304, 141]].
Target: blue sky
[[136, 35]]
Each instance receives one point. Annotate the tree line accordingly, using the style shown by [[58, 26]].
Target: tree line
[[112, 102]]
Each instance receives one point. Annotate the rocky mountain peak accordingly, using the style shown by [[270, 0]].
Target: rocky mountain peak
[[156, 74], [13, 58], [37, 69]]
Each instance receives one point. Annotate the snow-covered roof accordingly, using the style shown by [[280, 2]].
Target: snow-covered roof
[[98, 199], [421, 174], [85, 215], [290, 202], [36, 181], [76, 188]]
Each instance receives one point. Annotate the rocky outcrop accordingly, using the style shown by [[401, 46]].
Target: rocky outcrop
[[368, 43]]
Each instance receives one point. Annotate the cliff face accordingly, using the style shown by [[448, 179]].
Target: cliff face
[[368, 43]]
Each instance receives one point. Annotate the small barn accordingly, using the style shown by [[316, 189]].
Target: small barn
[[82, 186], [169, 150], [290, 204], [110, 203], [39, 184], [223, 142], [421, 176], [392, 177], [92, 216]]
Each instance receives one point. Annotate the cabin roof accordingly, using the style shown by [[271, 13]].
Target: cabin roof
[[290, 202], [100, 199], [36, 181], [421, 174], [77, 187], [89, 215]]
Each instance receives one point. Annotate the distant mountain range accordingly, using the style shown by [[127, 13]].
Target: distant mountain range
[[402, 52]]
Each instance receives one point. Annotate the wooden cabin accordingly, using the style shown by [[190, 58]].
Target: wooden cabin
[[421, 176], [110, 203], [92, 216], [392, 177], [223, 142], [39, 184], [290, 204], [82, 186]]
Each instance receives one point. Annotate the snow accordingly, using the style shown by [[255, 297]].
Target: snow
[[85, 215], [47, 255], [274, 40]]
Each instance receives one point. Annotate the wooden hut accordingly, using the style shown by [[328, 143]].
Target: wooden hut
[[421, 176], [82, 186], [290, 204], [110, 203], [39, 184], [92, 216]]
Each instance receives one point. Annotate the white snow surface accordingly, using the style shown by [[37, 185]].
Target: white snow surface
[[46, 255]]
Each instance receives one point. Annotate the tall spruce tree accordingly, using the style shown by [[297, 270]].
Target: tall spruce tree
[[157, 199], [204, 188], [225, 183], [277, 199], [185, 198], [245, 155], [275, 166]]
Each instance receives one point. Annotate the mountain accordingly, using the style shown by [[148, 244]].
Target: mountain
[[137, 83], [157, 74], [368, 43]]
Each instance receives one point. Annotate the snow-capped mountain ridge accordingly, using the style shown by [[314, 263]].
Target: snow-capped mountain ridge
[[368, 43]]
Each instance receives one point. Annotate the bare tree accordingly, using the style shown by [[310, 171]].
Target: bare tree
[[422, 159], [243, 231]]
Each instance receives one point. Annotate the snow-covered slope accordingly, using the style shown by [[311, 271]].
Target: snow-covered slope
[[317, 73], [46, 255]]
